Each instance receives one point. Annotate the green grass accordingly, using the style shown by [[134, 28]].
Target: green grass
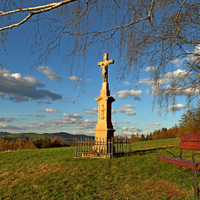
[[56, 174], [155, 144]]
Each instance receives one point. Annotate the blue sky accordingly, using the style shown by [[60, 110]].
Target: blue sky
[[50, 98]]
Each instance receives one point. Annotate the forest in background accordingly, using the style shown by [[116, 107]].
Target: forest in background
[[13, 145], [189, 123]]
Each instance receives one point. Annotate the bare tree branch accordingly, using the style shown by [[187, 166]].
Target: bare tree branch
[[157, 33], [36, 10]]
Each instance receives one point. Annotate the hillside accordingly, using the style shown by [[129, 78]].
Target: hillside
[[56, 174], [62, 136], [4, 133]]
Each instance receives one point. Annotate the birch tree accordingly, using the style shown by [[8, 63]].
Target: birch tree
[[154, 33]]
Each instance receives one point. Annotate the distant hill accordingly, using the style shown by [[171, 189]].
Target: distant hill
[[62, 136], [4, 133]]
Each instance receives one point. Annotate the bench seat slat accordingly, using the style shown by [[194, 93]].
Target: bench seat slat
[[180, 162]]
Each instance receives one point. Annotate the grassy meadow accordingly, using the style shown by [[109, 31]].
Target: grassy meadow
[[56, 174]]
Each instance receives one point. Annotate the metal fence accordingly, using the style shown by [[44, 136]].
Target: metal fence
[[100, 148]]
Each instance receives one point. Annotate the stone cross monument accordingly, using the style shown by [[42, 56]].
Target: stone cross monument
[[104, 129]]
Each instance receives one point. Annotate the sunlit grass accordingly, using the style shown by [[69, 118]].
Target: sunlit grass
[[56, 174]]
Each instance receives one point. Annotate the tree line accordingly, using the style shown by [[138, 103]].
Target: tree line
[[189, 123], [13, 145]]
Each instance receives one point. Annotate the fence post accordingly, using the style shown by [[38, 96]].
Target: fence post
[[85, 147], [76, 149], [81, 146], [112, 149], [108, 147], [126, 146]]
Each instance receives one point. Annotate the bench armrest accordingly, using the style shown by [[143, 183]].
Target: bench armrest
[[193, 158], [167, 151]]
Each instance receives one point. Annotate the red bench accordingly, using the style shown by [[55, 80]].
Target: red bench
[[189, 142]]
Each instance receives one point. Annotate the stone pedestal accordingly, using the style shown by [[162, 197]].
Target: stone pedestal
[[104, 129]]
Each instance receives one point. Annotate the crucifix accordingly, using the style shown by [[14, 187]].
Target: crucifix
[[104, 66], [104, 129]]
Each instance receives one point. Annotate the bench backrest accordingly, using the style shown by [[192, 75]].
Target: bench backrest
[[190, 141]]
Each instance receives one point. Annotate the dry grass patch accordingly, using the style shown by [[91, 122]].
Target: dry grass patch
[[169, 189]]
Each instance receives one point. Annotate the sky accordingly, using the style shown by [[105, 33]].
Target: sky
[[50, 98]]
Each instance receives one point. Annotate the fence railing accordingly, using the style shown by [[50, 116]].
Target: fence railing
[[103, 148]]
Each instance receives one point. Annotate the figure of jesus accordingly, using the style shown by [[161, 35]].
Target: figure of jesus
[[104, 66]]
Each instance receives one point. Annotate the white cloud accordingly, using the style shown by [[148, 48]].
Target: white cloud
[[130, 113], [11, 127], [124, 128], [177, 62], [132, 127], [32, 115], [19, 88], [148, 91], [192, 58], [197, 49], [48, 110], [176, 107], [123, 110], [168, 77], [127, 109], [127, 93], [126, 83], [116, 127], [128, 133], [113, 111], [89, 133], [3, 125], [182, 91], [76, 115], [95, 109], [76, 79], [49, 73], [70, 100], [145, 81], [40, 125], [2, 94], [74, 132], [179, 76], [149, 69], [89, 112], [84, 126], [5, 119], [90, 121], [155, 124], [136, 132], [179, 73], [128, 106], [147, 127], [68, 120], [62, 122]]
